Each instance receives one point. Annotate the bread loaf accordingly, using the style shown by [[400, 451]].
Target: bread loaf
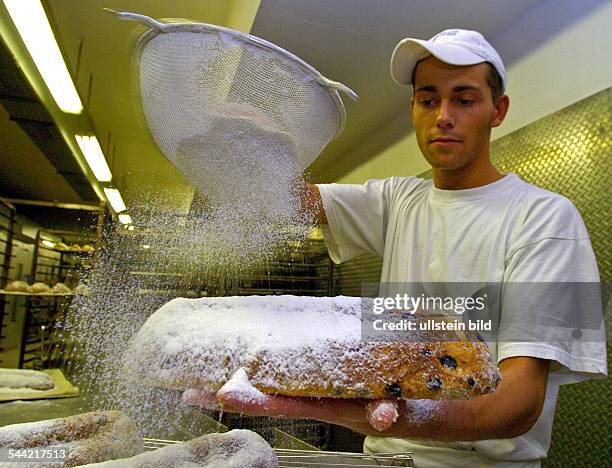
[[39, 288], [239, 448], [89, 437], [299, 346], [16, 286], [24, 379]]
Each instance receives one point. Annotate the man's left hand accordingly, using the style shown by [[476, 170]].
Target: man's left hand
[[364, 416]]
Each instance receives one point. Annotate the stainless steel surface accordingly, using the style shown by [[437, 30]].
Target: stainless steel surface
[[319, 458]]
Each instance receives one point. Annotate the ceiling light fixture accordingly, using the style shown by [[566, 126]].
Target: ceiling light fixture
[[95, 157], [33, 25], [114, 198], [125, 219]]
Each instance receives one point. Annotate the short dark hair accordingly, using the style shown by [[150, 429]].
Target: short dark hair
[[494, 81]]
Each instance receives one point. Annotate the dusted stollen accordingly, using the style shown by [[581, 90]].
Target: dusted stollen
[[89, 437], [238, 448], [299, 346]]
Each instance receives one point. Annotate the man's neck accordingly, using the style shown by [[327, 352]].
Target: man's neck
[[475, 175]]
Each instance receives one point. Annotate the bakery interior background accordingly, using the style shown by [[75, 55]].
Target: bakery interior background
[[53, 203]]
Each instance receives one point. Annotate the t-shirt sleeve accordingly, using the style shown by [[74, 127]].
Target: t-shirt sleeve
[[551, 305], [357, 217]]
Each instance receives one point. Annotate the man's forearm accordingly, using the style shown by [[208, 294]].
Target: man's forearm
[[508, 412], [447, 421]]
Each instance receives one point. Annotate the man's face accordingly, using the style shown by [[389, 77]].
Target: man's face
[[453, 113]]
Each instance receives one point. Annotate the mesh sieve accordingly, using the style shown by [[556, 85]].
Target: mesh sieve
[[194, 78]]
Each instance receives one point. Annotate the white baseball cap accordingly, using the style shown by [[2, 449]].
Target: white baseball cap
[[452, 46]]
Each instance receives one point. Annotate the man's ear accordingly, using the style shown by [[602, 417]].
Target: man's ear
[[501, 109]]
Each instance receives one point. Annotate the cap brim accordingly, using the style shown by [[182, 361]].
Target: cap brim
[[409, 51]]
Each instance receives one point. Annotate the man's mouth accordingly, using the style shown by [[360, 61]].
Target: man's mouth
[[445, 141]]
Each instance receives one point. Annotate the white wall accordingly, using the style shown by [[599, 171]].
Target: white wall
[[557, 54]]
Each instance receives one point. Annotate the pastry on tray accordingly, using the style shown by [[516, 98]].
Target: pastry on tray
[[89, 437], [16, 286], [39, 288], [19, 379], [239, 448], [300, 346], [60, 288]]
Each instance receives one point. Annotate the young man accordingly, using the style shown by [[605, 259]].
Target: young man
[[473, 224]]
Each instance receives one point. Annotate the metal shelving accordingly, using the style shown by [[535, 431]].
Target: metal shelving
[[7, 226], [43, 343]]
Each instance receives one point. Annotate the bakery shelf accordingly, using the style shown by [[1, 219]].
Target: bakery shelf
[[72, 252], [19, 293], [277, 291], [7, 233], [282, 278]]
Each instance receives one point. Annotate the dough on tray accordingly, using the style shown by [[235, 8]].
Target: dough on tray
[[300, 346]]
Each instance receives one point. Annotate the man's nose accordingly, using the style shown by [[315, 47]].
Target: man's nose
[[445, 118]]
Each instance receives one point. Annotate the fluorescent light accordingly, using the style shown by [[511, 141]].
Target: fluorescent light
[[47, 243], [125, 219], [130, 227], [146, 246], [35, 31], [94, 156], [114, 198]]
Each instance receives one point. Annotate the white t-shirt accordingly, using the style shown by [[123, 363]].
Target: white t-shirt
[[507, 231]]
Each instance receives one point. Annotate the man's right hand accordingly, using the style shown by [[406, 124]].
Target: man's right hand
[[310, 199]]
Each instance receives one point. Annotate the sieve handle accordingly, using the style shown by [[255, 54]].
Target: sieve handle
[[338, 87], [128, 16]]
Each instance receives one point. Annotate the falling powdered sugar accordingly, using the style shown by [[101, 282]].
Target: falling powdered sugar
[[246, 211], [244, 168]]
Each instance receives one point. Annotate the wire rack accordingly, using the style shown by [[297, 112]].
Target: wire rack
[[290, 458]]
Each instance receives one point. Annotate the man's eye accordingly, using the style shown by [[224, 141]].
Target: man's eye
[[426, 102], [466, 102]]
